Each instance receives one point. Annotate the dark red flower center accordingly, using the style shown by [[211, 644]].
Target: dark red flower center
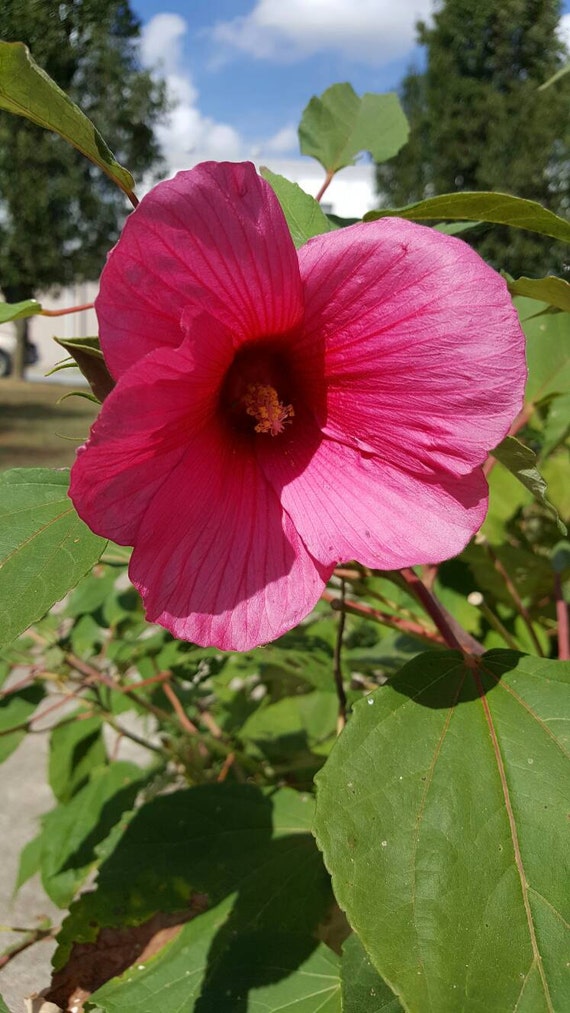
[[256, 392]]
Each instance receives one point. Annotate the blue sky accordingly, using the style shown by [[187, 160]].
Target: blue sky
[[241, 71]]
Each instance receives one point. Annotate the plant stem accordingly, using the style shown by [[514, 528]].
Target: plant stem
[[63, 313], [457, 638], [393, 622], [512, 589], [562, 617], [325, 186], [337, 664]]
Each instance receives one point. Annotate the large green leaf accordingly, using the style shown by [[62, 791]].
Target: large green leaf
[[363, 990], [499, 208], [304, 215], [442, 818], [17, 310], [548, 354], [521, 462], [338, 125], [44, 546], [26, 90], [233, 844], [178, 978]]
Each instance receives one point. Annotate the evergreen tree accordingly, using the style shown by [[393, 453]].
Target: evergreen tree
[[479, 122], [59, 214]]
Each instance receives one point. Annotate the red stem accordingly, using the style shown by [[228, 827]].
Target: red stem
[[452, 632], [63, 313], [562, 617], [325, 186]]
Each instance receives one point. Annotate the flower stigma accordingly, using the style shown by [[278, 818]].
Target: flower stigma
[[262, 402]]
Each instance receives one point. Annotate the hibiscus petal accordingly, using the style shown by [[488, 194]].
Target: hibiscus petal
[[217, 561], [423, 352], [348, 505], [142, 431], [213, 238]]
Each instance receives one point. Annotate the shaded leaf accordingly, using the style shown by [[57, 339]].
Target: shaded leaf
[[26, 90], [441, 816], [18, 310], [71, 831], [183, 977], [76, 748], [551, 290], [363, 990], [44, 546], [499, 208], [233, 844], [336, 126], [302, 212], [521, 462], [89, 358], [15, 710]]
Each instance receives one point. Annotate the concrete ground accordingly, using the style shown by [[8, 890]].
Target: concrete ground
[[24, 796]]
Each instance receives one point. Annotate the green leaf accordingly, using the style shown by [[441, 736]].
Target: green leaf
[[551, 290], [521, 462], [30, 858], [338, 125], [3, 1006], [499, 208], [44, 546], [89, 358], [548, 355], [17, 310], [71, 831], [184, 977], [76, 749], [441, 817], [302, 212], [15, 710], [363, 990], [26, 90], [230, 843], [557, 425]]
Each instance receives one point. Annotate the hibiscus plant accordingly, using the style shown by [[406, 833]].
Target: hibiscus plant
[[305, 680]]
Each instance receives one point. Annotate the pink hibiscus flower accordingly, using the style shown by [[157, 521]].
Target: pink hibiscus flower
[[277, 411]]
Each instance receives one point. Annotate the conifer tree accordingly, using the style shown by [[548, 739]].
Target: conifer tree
[[59, 214], [479, 121]]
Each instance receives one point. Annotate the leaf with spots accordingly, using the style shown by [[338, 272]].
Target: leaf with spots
[[441, 816]]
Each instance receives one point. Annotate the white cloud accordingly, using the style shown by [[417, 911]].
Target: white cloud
[[564, 30], [377, 31], [186, 135]]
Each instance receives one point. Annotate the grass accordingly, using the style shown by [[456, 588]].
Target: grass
[[36, 431]]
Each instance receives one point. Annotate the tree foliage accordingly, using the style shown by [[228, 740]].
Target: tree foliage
[[59, 214], [479, 122]]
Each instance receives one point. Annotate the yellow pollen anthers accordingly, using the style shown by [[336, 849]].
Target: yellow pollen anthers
[[261, 401]]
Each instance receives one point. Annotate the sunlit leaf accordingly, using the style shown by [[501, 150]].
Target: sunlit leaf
[[44, 546], [338, 125], [551, 290], [442, 818], [521, 462], [304, 215], [499, 208], [18, 310], [25, 89], [548, 355]]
